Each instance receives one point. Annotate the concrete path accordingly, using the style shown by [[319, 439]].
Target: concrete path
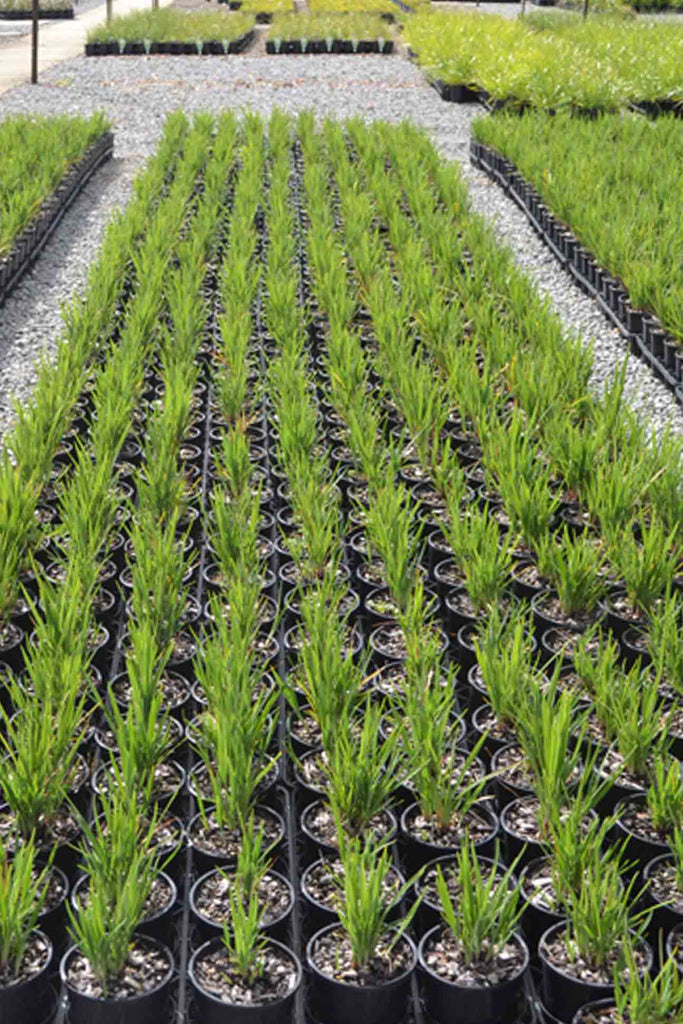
[[57, 40]]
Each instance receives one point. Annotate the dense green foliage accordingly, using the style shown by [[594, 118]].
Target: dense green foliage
[[554, 61], [168, 25], [616, 183], [35, 153], [329, 27]]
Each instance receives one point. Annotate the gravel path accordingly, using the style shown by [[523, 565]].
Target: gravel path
[[137, 92]]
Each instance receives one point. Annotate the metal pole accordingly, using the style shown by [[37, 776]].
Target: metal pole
[[109, 10], [34, 42]]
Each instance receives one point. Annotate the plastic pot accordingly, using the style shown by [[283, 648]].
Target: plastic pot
[[313, 848], [429, 913], [31, 1000], [159, 924], [212, 1010], [148, 1008], [338, 1002], [584, 1014], [639, 848], [51, 921], [564, 994], [516, 845], [536, 919], [416, 852], [205, 858], [447, 1001], [664, 918]]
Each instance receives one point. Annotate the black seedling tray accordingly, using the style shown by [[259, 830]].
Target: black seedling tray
[[211, 48]]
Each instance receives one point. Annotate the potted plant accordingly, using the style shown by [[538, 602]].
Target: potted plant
[[361, 968], [243, 975], [473, 965], [25, 952], [639, 998], [210, 894], [579, 956], [649, 821], [111, 970]]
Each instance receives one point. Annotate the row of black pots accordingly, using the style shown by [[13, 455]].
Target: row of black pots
[[332, 1001], [28, 244], [649, 339], [208, 48], [321, 46]]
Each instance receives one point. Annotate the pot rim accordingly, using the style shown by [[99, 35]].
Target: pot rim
[[595, 1004], [139, 937], [151, 918], [516, 937], [18, 986], [390, 837], [546, 963], [261, 808], [480, 805], [336, 926], [215, 871], [243, 1007]]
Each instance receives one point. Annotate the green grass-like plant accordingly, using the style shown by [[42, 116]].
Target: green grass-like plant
[[488, 908]]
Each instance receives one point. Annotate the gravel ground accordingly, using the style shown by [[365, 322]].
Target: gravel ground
[[137, 92]]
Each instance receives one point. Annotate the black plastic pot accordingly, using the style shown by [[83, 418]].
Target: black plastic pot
[[30, 1000], [429, 912], [337, 1002], [491, 743], [504, 790], [664, 918], [149, 1008], [416, 852], [563, 995], [205, 859], [212, 1010], [516, 845], [313, 848], [639, 848], [536, 919], [52, 920], [585, 1013], [447, 1002]]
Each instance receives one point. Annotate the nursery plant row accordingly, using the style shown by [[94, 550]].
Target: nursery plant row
[[550, 61], [590, 191], [44, 164], [170, 31], [385, 609]]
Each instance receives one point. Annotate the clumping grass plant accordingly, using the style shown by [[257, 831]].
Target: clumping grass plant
[[365, 909], [22, 895], [643, 998], [488, 908]]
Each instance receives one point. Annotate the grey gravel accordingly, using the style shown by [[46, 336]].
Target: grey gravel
[[137, 92], [30, 321]]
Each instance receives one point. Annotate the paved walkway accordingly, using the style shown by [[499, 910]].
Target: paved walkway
[[57, 40]]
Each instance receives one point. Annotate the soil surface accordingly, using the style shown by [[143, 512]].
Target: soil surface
[[145, 969], [445, 958], [277, 977], [332, 956], [212, 898], [36, 956]]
